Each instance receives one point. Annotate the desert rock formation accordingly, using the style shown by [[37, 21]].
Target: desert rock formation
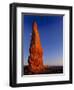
[[35, 59]]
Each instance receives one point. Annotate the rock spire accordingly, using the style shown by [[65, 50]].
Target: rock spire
[[35, 59]]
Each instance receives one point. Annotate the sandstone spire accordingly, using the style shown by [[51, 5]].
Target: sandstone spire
[[35, 59]]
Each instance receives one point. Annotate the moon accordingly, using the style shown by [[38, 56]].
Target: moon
[[30, 34]]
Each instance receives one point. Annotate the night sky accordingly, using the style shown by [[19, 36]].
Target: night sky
[[51, 35]]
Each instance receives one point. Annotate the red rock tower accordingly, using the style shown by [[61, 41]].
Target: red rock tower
[[35, 59]]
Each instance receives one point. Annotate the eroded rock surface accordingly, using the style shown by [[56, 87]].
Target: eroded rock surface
[[35, 59]]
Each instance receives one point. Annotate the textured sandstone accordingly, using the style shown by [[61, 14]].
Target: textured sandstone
[[35, 59]]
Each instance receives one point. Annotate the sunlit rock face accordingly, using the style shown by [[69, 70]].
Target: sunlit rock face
[[35, 59]]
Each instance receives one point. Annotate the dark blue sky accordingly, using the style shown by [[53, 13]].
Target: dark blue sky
[[51, 35]]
